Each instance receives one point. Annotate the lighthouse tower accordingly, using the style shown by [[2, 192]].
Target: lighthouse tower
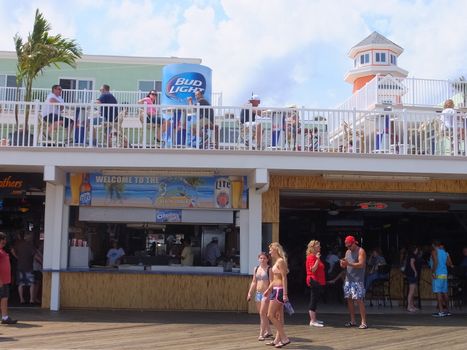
[[374, 55]]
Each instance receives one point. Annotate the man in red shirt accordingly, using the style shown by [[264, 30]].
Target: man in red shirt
[[5, 280]]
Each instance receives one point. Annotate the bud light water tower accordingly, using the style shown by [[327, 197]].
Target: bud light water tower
[[180, 81]]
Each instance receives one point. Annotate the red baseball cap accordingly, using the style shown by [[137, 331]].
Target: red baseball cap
[[350, 240]]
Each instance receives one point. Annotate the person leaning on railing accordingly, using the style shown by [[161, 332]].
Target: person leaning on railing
[[248, 122]]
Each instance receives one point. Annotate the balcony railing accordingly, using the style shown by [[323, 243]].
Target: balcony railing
[[386, 90], [134, 126], [85, 96]]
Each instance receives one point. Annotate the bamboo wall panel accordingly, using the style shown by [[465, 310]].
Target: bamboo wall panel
[[46, 282], [397, 285], [319, 183], [153, 291], [270, 205], [271, 199]]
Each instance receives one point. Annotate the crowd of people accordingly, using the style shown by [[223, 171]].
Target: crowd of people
[[26, 273], [269, 287], [199, 132]]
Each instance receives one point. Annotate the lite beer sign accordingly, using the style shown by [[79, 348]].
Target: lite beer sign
[[184, 85]]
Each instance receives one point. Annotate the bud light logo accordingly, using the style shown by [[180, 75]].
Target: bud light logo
[[184, 85]]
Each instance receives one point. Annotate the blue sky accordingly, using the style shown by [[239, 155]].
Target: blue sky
[[287, 51]]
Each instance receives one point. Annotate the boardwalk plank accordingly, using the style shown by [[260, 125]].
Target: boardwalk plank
[[100, 330]]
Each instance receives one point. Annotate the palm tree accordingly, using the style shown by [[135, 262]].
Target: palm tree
[[41, 50]]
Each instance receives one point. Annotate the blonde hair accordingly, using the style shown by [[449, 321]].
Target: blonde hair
[[448, 103], [311, 247], [280, 250]]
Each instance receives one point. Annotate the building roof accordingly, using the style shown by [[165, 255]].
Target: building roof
[[375, 40], [121, 59]]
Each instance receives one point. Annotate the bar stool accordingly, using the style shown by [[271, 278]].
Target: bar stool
[[381, 288]]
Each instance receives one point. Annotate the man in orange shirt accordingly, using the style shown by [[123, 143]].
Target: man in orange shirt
[[5, 280]]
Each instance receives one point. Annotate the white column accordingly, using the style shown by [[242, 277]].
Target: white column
[[254, 228], [244, 241], [55, 239]]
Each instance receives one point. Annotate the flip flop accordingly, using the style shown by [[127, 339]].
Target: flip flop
[[349, 324], [270, 343], [281, 344], [363, 326]]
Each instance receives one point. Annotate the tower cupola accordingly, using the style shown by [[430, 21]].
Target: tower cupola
[[374, 55]]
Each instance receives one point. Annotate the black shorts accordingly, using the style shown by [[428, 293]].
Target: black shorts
[[53, 117], [277, 294], [5, 291], [153, 119]]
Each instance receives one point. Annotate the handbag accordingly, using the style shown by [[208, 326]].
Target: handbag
[[289, 308]]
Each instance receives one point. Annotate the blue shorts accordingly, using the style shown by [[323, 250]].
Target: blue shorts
[[440, 285], [277, 294], [25, 278], [258, 296], [354, 290]]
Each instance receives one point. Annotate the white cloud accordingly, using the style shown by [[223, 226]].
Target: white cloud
[[286, 51]]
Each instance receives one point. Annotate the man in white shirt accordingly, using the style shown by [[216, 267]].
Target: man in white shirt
[[52, 110], [114, 254]]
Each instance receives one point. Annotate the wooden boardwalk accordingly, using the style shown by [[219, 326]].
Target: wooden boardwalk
[[74, 329]]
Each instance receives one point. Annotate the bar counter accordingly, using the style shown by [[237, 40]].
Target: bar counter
[[172, 288]]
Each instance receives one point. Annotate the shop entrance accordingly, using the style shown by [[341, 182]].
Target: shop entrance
[[389, 222], [22, 200]]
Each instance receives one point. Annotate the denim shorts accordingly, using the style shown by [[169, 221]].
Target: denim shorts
[[25, 278]]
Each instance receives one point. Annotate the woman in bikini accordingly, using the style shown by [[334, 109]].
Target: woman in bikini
[[262, 277], [277, 292]]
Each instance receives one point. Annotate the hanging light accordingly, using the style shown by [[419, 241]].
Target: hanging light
[[23, 205]]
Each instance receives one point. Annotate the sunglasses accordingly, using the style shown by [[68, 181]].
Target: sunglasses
[[152, 93]]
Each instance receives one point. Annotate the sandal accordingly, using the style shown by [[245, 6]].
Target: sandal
[[363, 326], [270, 343], [349, 324], [282, 344], [261, 338], [268, 335]]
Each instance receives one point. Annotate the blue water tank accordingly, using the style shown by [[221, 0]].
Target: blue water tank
[[180, 81]]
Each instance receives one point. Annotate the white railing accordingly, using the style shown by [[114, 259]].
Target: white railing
[[385, 90], [86, 96], [133, 126]]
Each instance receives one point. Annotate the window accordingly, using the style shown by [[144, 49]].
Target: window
[[8, 87], [393, 60], [147, 85], [380, 57], [365, 58], [82, 89]]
